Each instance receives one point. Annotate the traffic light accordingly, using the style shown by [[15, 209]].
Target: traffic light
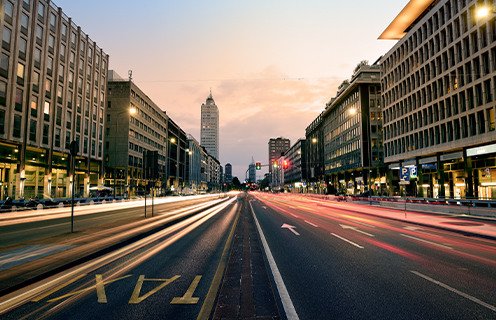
[[285, 164], [274, 164], [259, 166]]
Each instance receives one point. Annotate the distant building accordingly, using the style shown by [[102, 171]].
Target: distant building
[[252, 171], [210, 127], [277, 147], [228, 174], [193, 160], [295, 174]]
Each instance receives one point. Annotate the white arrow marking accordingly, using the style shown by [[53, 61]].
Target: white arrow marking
[[290, 228], [416, 229], [356, 229], [350, 242]]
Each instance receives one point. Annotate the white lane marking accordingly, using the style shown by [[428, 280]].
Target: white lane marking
[[264, 207], [290, 228], [281, 287], [294, 215], [363, 224], [313, 225], [417, 229], [344, 239], [426, 241], [344, 226], [474, 299]]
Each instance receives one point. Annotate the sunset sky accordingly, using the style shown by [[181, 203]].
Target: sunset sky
[[272, 65]]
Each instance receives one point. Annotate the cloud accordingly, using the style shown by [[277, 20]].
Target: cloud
[[263, 105]]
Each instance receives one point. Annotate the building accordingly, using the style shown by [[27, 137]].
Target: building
[[295, 173], [353, 143], [53, 80], [252, 172], [213, 174], [277, 147], [438, 96], [210, 127], [144, 148], [228, 169], [314, 147], [193, 168]]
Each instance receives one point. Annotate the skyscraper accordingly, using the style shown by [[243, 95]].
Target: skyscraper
[[210, 127], [228, 173]]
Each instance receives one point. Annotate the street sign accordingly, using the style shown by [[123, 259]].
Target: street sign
[[405, 174]]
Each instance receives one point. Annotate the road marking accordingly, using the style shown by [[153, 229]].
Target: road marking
[[135, 298], [281, 287], [290, 228], [350, 242], [417, 229], [58, 288], [363, 224], [100, 289], [467, 296], [313, 225], [264, 207], [188, 296], [89, 288], [344, 226], [208, 304], [426, 241]]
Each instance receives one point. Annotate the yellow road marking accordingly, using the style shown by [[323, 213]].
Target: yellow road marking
[[214, 287], [89, 288], [58, 288], [188, 296], [135, 298]]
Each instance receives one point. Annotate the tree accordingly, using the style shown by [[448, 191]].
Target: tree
[[235, 181]]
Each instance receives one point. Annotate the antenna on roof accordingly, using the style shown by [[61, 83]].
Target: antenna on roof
[[130, 73]]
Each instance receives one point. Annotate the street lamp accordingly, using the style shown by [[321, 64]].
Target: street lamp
[[131, 111], [171, 141], [369, 147]]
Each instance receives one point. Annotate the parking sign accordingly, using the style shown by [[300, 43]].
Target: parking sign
[[405, 174]]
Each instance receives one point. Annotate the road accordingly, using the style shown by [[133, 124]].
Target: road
[[339, 264], [58, 221], [167, 275]]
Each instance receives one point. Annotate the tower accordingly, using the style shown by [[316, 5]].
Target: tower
[[210, 127]]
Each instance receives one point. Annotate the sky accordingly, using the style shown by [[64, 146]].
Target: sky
[[271, 65]]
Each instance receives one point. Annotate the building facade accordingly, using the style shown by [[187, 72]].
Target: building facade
[[210, 127], [295, 174], [144, 148], [314, 147], [277, 147], [228, 174], [353, 142], [438, 83], [193, 168], [53, 80]]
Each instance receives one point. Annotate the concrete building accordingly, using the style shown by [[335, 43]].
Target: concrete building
[[53, 80], [277, 147], [213, 174], [353, 142], [438, 96], [295, 174], [252, 172], [228, 174], [210, 127], [314, 147], [145, 149], [193, 168]]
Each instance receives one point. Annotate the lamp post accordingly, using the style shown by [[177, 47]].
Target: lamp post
[[369, 147], [171, 141], [131, 111]]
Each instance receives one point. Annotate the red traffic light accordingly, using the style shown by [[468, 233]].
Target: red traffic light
[[285, 164]]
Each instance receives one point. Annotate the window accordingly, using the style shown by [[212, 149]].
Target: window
[[37, 58], [59, 93], [72, 59], [8, 11], [49, 65], [48, 87], [20, 74], [18, 100], [64, 31], [41, 12], [85, 145], [51, 43], [17, 126], [68, 140], [61, 73], [58, 117], [46, 111], [4, 65], [7, 34], [82, 48], [24, 24], [2, 121], [36, 81], [39, 35], [53, 20], [57, 137], [92, 147], [34, 106], [62, 52], [71, 79], [32, 130], [3, 93], [78, 124], [22, 48], [46, 130]]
